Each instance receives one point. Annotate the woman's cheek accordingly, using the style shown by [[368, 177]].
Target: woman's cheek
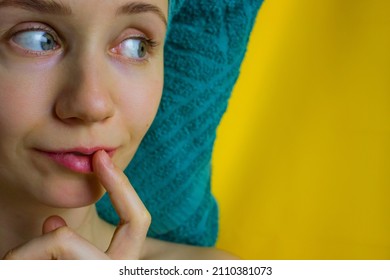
[[139, 101], [23, 101], [15, 107]]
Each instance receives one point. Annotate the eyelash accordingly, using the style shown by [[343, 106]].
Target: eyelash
[[37, 28], [150, 43]]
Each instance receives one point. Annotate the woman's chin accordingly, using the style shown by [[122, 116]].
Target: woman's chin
[[71, 193]]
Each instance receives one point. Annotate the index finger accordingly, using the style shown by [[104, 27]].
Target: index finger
[[135, 219]]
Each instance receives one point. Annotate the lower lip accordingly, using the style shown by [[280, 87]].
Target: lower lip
[[73, 161]]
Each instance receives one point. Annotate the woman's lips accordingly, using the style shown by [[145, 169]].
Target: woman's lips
[[77, 160]]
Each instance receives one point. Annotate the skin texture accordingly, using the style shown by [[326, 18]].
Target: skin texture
[[94, 92]]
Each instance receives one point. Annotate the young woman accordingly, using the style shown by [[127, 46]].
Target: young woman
[[80, 84]]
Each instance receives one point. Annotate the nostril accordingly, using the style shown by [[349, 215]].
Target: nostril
[[86, 107], [86, 95]]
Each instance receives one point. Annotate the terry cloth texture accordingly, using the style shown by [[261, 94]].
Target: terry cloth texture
[[205, 46]]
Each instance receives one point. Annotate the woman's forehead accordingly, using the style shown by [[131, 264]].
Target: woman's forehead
[[66, 7]]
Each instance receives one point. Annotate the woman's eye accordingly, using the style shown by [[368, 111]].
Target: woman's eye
[[35, 40], [134, 48]]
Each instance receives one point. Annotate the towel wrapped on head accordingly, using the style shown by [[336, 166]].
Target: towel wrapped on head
[[205, 46]]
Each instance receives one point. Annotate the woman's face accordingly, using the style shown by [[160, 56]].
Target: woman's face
[[75, 77]]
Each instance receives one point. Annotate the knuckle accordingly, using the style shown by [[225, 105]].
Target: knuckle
[[139, 224], [62, 237], [145, 219], [63, 234]]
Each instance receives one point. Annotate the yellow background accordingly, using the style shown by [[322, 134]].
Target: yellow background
[[302, 159]]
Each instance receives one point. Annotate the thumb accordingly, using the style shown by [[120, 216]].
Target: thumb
[[52, 223]]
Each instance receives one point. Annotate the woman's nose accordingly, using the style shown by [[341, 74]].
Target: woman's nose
[[86, 94]]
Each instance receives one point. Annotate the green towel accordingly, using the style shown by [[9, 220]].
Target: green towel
[[205, 46]]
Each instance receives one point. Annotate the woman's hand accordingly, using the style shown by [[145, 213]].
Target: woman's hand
[[60, 242]]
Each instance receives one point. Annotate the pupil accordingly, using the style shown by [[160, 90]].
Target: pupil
[[47, 42], [142, 49]]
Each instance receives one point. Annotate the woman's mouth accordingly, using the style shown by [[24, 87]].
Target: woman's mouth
[[78, 160]]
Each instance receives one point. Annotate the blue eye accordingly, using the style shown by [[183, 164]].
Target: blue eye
[[35, 40], [134, 48]]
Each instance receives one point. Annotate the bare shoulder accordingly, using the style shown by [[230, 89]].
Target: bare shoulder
[[157, 249]]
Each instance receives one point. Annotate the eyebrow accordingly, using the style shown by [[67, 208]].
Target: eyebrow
[[139, 7], [58, 8], [42, 6]]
